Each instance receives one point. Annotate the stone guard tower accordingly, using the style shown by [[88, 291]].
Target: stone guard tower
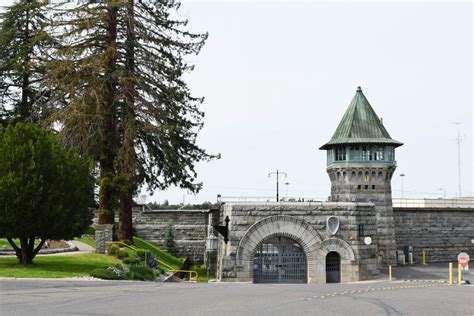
[[360, 164]]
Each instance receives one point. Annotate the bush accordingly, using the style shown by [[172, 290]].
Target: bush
[[89, 231], [142, 271], [105, 274], [169, 240], [113, 250], [131, 261], [122, 254], [142, 254]]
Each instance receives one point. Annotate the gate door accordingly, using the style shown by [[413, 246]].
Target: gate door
[[279, 260], [333, 267]]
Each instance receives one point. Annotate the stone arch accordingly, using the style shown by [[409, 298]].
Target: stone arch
[[280, 225], [339, 245], [349, 267]]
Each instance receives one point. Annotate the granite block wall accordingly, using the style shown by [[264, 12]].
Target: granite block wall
[[442, 233], [190, 230]]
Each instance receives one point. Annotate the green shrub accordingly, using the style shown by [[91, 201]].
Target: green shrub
[[146, 272], [122, 254], [113, 250], [90, 231], [135, 276], [131, 261], [105, 274], [142, 253], [169, 240]]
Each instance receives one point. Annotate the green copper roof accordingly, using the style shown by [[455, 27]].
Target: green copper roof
[[360, 125]]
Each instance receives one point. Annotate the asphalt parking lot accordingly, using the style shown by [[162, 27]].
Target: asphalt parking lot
[[429, 294]]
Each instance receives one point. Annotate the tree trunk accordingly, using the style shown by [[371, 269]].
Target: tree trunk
[[27, 252], [128, 162], [125, 225], [109, 125], [26, 255], [24, 110]]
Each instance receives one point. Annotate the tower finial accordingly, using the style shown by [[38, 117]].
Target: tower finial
[[359, 89]]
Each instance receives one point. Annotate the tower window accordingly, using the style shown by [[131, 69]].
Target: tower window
[[366, 153], [366, 187], [340, 153], [359, 187], [373, 187], [379, 153]]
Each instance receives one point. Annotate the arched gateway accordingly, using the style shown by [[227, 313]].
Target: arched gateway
[[278, 249], [279, 259]]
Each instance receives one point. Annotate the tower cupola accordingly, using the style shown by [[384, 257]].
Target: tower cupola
[[360, 155]]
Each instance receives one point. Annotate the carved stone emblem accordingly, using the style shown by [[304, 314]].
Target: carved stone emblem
[[332, 223]]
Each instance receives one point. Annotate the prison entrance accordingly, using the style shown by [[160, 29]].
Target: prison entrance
[[279, 260], [333, 267]]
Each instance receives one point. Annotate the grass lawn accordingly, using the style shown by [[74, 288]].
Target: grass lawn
[[56, 266], [89, 240]]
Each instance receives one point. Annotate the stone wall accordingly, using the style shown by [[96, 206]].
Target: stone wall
[[190, 229], [441, 232], [235, 266]]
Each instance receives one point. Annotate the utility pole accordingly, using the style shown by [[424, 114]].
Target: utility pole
[[458, 140], [277, 173]]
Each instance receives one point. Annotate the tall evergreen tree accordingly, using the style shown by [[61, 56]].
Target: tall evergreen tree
[[84, 77], [24, 44], [160, 117]]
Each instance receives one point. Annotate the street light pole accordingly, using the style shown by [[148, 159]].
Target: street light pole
[[277, 173], [402, 175], [444, 192], [458, 140]]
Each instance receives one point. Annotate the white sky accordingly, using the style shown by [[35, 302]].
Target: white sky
[[278, 76]]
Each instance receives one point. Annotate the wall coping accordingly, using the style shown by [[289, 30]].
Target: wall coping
[[175, 211], [324, 204], [431, 209]]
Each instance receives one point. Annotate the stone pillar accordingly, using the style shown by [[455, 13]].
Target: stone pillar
[[103, 237]]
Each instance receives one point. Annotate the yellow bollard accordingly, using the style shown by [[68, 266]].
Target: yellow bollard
[[390, 273], [450, 273], [403, 259], [459, 274], [423, 257], [411, 258]]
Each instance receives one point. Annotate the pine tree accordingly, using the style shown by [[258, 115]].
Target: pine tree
[[84, 77], [160, 118], [24, 43]]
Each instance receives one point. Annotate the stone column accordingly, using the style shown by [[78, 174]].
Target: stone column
[[103, 237]]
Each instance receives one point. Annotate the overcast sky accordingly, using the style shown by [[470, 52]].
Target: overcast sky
[[278, 76]]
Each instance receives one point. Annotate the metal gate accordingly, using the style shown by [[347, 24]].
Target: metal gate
[[279, 260], [333, 267]]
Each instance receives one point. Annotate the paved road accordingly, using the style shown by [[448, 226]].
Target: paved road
[[59, 297]]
